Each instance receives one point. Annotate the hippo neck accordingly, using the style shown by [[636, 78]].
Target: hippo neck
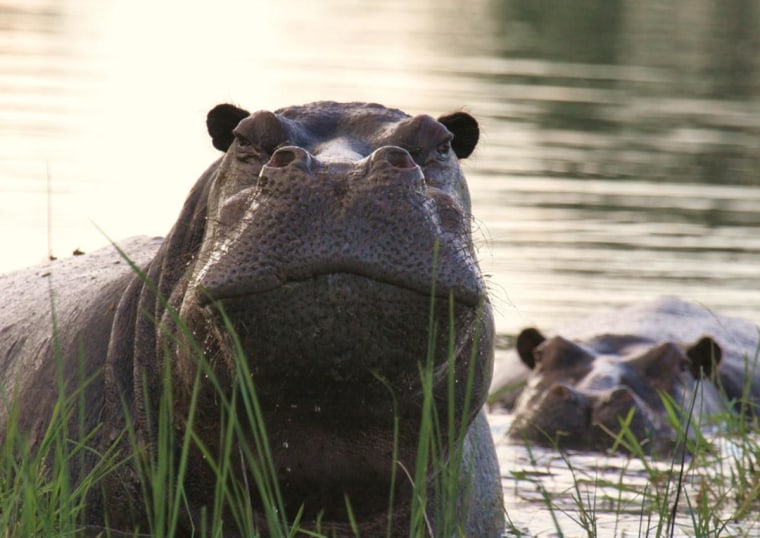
[[132, 366]]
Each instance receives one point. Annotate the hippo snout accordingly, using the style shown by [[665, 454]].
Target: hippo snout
[[388, 163], [571, 418], [373, 218]]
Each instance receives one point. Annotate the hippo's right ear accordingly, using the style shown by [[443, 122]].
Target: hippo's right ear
[[527, 341], [220, 122], [465, 130], [705, 356]]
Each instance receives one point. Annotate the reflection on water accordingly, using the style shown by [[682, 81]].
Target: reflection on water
[[620, 156], [662, 90], [606, 242]]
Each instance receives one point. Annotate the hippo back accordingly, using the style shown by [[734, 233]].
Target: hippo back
[[672, 319]]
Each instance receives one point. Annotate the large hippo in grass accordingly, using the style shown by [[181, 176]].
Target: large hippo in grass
[[326, 255], [588, 378]]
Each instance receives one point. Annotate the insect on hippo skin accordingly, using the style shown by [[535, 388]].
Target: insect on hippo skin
[[322, 234], [587, 379]]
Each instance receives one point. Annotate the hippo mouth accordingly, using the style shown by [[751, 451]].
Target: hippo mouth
[[467, 293], [329, 337], [339, 279], [335, 357]]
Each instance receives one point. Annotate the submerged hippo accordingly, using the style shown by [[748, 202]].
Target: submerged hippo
[[315, 246], [587, 379]]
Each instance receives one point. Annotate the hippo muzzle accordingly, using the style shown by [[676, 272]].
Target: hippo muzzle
[[372, 218], [574, 419], [331, 268]]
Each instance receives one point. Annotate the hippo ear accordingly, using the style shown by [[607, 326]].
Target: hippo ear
[[220, 121], [465, 130], [527, 341], [705, 356]]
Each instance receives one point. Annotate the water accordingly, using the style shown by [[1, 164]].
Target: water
[[615, 495], [620, 155]]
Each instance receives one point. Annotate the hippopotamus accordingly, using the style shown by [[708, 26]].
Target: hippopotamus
[[327, 254], [587, 379]]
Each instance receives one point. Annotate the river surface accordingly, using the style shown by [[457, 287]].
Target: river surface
[[619, 157]]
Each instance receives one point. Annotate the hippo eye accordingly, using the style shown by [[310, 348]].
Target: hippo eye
[[242, 141], [414, 151], [444, 149]]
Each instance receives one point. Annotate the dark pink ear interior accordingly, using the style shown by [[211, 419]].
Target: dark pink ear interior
[[465, 130], [705, 355], [527, 341], [220, 122]]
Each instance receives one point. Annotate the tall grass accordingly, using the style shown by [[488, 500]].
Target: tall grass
[[38, 496]]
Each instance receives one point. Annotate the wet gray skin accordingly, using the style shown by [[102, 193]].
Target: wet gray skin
[[322, 234], [580, 389]]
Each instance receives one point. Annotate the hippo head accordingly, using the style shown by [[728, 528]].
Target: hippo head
[[578, 394], [335, 250]]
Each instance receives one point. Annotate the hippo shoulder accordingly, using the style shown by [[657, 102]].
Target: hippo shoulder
[[77, 295]]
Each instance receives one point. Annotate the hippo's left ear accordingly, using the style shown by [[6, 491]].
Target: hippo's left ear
[[220, 122], [465, 130], [705, 356], [527, 341]]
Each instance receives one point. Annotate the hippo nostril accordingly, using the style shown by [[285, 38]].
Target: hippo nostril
[[288, 155], [562, 392], [399, 158], [620, 395], [395, 156], [282, 158]]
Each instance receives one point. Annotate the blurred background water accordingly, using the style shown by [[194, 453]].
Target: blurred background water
[[620, 149], [620, 156]]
